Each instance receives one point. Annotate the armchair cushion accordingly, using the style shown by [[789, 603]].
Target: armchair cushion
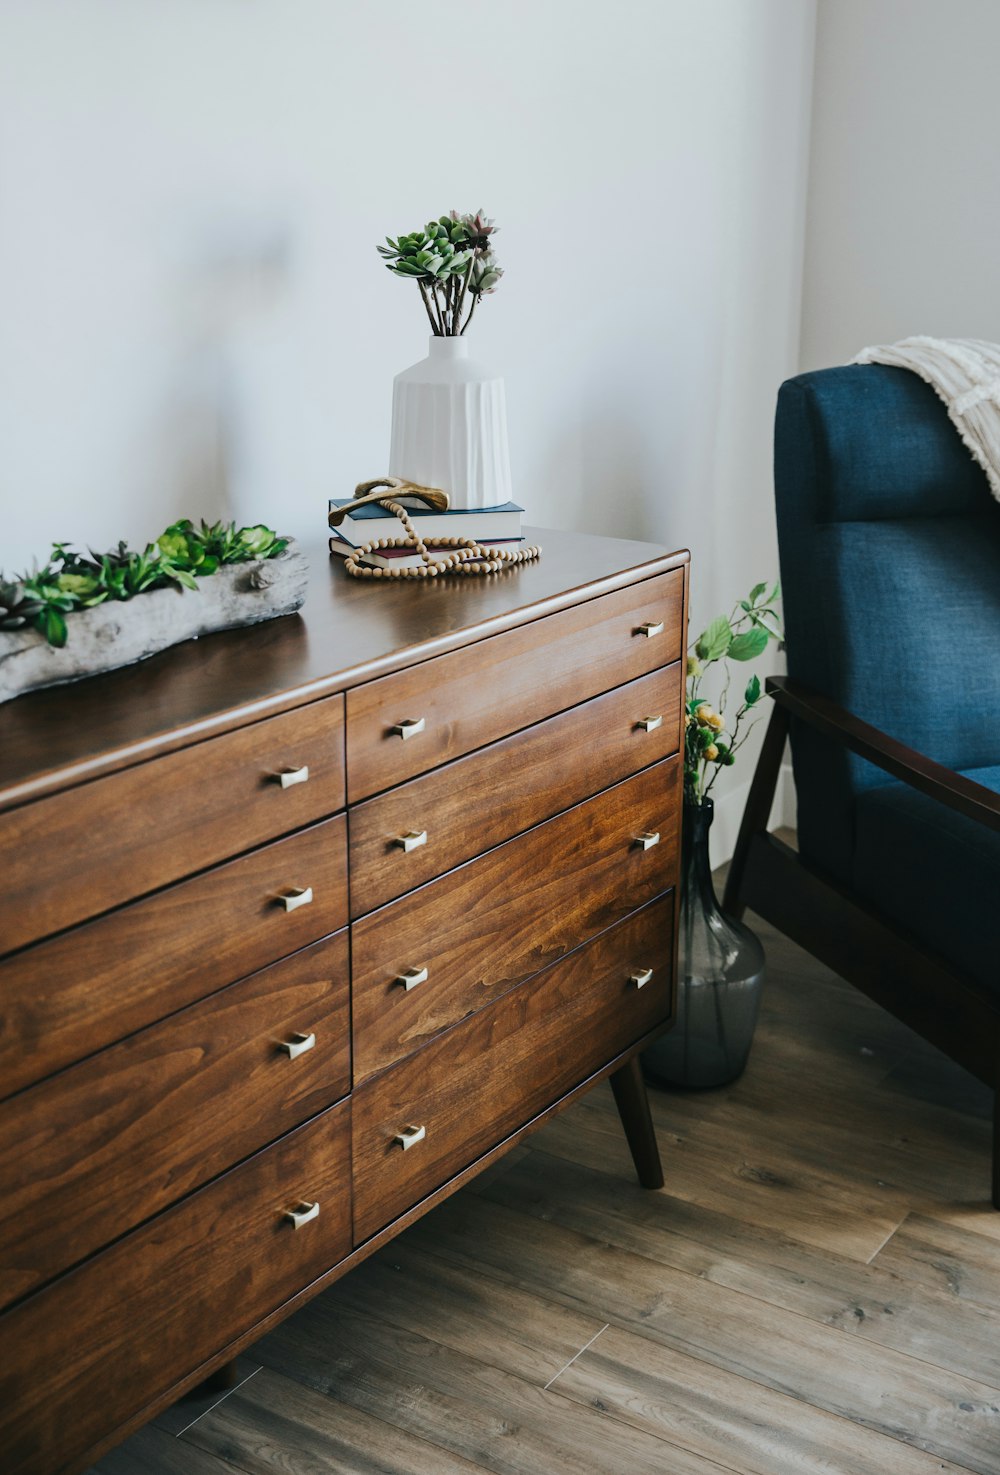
[[890, 562], [934, 873]]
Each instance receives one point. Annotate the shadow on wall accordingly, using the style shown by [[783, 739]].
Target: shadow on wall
[[599, 470], [207, 424]]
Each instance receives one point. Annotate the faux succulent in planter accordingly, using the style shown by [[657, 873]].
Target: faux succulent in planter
[[73, 581], [62, 621]]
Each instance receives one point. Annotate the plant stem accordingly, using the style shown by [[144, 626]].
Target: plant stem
[[475, 299], [461, 296], [436, 304], [430, 315]]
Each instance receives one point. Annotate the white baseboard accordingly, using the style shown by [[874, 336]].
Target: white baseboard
[[729, 811]]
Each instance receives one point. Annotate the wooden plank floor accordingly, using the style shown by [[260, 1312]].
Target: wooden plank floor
[[817, 1289]]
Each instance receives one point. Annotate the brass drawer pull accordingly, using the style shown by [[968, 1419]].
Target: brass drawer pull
[[297, 1045], [650, 628], [298, 896], [408, 728], [410, 1136], [410, 977], [641, 977], [412, 840], [647, 840], [302, 1215], [290, 776], [650, 724]]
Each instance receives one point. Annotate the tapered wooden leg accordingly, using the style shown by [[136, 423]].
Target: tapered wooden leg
[[758, 808], [224, 1378], [633, 1108]]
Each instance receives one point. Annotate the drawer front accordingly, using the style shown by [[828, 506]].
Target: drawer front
[[82, 852], [475, 1085], [64, 999], [540, 771], [471, 697], [97, 1149], [80, 1357], [486, 927]]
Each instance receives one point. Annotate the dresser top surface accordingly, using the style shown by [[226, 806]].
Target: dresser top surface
[[349, 630]]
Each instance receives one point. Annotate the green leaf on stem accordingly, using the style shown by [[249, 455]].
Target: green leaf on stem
[[715, 640], [749, 645], [752, 693]]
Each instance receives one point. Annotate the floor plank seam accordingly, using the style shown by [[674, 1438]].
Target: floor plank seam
[[228, 1393], [582, 1350]]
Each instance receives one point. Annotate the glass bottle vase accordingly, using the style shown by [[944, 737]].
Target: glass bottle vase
[[720, 976]]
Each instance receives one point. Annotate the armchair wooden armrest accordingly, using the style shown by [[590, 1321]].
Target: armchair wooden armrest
[[964, 795]]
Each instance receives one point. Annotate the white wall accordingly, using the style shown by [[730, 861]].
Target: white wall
[[194, 318], [904, 203]]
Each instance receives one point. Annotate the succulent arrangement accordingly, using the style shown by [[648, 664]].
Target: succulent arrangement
[[711, 741], [452, 262], [71, 581]]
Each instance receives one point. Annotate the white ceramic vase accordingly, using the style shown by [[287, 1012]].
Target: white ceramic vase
[[449, 426]]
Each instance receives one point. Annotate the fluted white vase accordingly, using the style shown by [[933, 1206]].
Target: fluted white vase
[[449, 426]]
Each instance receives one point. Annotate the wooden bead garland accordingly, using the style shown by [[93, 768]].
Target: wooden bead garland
[[469, 556]]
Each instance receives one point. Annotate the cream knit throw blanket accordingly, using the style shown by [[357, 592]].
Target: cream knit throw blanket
[[965, 373]]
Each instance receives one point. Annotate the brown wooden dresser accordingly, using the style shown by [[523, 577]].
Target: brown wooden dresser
[[301, 926]]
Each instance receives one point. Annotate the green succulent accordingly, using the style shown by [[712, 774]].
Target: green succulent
[[451, 260], [71, 581]]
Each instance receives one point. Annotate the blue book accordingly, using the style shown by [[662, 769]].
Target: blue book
[[484, 524]]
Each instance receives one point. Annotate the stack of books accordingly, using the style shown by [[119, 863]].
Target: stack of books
[[492, 525]]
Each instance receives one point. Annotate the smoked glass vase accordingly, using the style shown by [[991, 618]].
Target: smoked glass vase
[[720, 976]]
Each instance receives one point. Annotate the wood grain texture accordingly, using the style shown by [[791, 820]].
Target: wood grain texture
[[470, 698], [348, 632], [433, 1335], [116, 1139], [65, 998], [473, 1407], [486, 1077], [897, 1395], [226, 1253], [538, 772], [487, 926], [747, 1427], [876, 1301], [96, 846], [274, 1418]]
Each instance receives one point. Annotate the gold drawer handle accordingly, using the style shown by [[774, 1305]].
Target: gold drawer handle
[[298, 896], [650, 628], [290, 776], [297, 1045], [410, 1136], [408, 728], [302, 1215], [647, 840], [641, 977], [410, 977], [650, 724], [412, 840]]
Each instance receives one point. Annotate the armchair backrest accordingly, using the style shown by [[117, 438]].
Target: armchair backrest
[[889, 541]]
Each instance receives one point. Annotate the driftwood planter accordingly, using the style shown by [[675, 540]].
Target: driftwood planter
[[119, 633]]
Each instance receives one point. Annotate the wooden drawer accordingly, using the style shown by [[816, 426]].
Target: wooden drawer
[[93, 847], [473, 696], [487, 1077], [63, 999], [487, 926], [83, 1355], [95, 1150], [540, 771]]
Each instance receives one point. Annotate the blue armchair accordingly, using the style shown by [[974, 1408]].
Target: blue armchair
[[889, 542]]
